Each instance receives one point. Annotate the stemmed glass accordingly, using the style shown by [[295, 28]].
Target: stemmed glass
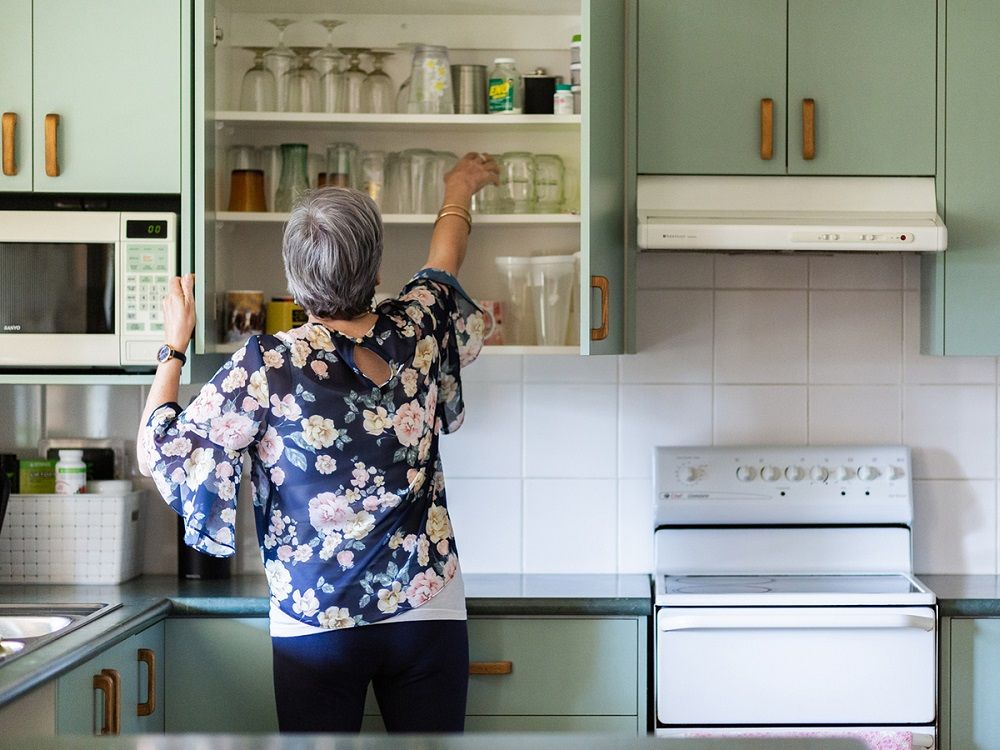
[[258, 93], [303, 83], [280, 60], [327, 62], [354, 78], [378, 92]]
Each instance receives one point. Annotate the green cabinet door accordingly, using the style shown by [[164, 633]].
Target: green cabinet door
[[15, 89], [111, 71], [142, 708], [870, 68], [704, 66], [974, 684]]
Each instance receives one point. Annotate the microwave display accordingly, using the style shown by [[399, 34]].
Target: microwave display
[[57, 287]]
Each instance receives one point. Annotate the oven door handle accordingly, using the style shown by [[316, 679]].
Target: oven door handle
[[799, 621]]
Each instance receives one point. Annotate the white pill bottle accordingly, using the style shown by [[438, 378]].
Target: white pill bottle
[[71, 473]]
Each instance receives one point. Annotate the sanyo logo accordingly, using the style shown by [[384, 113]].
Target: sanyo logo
[[11, 327]]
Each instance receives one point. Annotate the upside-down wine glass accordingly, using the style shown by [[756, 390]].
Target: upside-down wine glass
[[258, 92], [280, 60], [354, 78], [378, 92], [303, 83], [327, 62]]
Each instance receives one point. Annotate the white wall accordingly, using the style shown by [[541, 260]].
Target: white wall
[[551, 472]]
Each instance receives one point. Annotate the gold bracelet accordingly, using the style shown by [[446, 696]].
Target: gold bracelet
[[459, 207], [442, 214]]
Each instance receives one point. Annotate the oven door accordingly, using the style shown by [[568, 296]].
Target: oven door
[[744, 666]]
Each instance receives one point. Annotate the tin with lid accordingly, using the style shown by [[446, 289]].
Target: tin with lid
[[539, 90]]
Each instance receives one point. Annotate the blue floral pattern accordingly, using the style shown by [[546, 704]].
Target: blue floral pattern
[[348, 489]]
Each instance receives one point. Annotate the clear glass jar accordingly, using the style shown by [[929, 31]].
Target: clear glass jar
[[342, 165], [294, 176], [430, 82], [503, 90], [549, 173], [517, 182]]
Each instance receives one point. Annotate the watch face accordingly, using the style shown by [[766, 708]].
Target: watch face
[[164, 354]]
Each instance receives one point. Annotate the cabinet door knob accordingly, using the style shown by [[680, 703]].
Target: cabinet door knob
[[808, 129], [116, 701], [103, 683], [491, 667], [52, 145], [148, 657], [766, 129], [601, 283], [9, 120]]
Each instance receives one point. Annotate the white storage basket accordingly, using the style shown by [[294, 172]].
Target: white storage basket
[[71, 539]]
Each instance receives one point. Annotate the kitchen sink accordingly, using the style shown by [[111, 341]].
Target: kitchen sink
[[24, 627]]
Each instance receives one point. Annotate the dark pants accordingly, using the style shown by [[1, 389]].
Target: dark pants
[[419, 670]]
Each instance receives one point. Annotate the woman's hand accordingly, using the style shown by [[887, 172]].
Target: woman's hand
[[178, 312], [470, 174]]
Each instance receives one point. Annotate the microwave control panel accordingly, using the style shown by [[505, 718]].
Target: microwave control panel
[[149, 258]]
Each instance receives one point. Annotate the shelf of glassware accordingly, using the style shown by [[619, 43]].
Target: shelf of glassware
[[525, 123], [507, 350], [507, 220]]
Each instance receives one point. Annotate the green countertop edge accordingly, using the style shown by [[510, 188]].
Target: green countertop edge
[[142, 605]]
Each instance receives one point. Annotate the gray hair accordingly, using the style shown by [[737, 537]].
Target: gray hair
[[332, 250]]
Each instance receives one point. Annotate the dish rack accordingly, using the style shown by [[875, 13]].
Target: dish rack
[[71, 538]]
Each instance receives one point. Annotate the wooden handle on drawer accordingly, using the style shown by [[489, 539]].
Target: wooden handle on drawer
[[491, 667], [52, 145], [148, 657], [808, 129], [601, 283], [767, 129], [103, 683], [9, 121], [116, 689]]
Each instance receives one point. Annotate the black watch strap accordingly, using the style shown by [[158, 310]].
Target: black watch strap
[[168, 353]]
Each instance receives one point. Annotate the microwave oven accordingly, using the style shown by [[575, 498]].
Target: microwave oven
[[84, 289]]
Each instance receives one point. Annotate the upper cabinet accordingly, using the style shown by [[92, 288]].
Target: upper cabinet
[[90, 95], [802, 87]]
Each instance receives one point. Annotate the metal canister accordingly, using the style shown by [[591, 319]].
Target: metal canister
[[469, 85], [539, 89]]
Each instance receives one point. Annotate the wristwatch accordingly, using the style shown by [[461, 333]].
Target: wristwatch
[[167, 353]]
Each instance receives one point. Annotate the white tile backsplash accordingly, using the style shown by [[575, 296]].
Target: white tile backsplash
[[552, 471]]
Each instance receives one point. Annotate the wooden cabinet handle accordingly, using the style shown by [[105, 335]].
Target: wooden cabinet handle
[[116, 693], [103, 683], [148, 657], [9, 121], [491, 667], [601, 283], [52, 145], [808, 129], [767, 129]]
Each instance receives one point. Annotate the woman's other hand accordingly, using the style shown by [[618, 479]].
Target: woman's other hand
[[470, 174], [178, 312]]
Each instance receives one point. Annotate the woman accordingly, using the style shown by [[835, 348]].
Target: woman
[[340, 418]]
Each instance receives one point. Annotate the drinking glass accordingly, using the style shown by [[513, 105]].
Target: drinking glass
[[443, 161], [258, 92], [342, 165], [517, 182], [378, 92], [294, 176], [327, 62], [354, 78], [420, 167], [280, 60], [397, 182], [549, 173], [270, 162], [243, 157], [430, 81], [303, 83], [373, 175]]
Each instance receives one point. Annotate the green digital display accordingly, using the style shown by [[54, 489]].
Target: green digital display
[[136, 229]]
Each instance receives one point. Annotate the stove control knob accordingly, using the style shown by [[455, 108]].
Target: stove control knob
[[868, 473], [846, 472], [770, 473], [795, 473], [746, 473], [893, 472], [819, 473], [689, 474]]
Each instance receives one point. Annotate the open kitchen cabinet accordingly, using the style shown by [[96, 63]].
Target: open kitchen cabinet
[[234, 250]]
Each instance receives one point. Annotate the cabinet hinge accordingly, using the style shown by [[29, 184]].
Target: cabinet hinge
[[217, 34]]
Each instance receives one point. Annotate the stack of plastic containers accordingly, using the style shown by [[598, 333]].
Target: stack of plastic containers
[[539, 295]]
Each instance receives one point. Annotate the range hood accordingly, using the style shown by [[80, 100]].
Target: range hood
[[783, 214]]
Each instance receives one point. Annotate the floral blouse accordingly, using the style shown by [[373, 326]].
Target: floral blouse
[[348, 490]]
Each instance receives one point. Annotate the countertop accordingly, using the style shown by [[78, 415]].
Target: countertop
[[146, 600], [965, 596]]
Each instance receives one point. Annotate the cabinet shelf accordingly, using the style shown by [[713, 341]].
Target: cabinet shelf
[[522, 123], [270, 217], [230, 348]]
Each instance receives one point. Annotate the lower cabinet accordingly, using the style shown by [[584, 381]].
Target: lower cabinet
[[970, 683], [119, 691], [530, 674], [32, 715]]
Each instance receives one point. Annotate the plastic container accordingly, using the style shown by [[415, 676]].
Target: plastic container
[[562, 100], [574, 48], [551, 293], [519, 321], [71, 473], [503, 89], [577, 101], [574, 73]]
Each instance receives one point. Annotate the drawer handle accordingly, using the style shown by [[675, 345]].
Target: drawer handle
[[9, 163], [116, 703], [148, 657], [52, 145], [808, 129], [103, 683], [766, 129], [491, 667], [601, 283]]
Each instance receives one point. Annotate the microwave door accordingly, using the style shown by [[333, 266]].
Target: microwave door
[[57, 304]]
